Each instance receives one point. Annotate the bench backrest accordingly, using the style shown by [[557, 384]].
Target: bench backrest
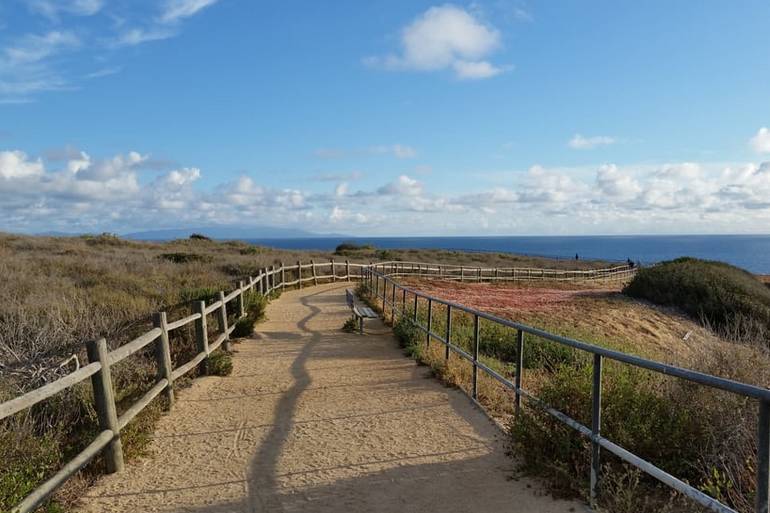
[[349, 297]]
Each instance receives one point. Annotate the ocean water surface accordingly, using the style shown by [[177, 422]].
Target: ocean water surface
[[751, 252]]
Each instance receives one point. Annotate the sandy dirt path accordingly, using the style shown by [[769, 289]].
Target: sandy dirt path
[[313, 419]]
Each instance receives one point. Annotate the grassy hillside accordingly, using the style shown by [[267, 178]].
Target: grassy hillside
[[730, 299], [59, 292], [696, 433]]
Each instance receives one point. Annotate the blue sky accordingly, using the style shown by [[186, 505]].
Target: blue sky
[[385, 117]]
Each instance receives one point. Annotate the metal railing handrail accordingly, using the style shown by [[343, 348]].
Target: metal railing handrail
[[380, 281]]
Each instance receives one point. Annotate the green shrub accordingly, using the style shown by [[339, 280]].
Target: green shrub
[[219, 363], [255, 305], [718, 293], [351, 247], [185, 258], [637, 413], [244, 327], [351, 325], [408, 335]]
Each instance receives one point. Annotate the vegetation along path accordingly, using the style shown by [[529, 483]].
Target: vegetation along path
[[313, 419]]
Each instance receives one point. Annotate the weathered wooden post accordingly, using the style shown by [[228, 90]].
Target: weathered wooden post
[[347, 269], [393, 305], [315, 276], [104, 401], [223, 321], [201, 333], [163, 356], [241, 300], [334, 275], [430, 321], [273, 274], [261, 278], [283, 277], [462, 273]]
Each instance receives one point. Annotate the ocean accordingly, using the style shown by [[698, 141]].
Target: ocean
[[751, 252]]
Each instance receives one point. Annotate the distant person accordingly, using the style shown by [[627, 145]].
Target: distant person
[[577, 257]]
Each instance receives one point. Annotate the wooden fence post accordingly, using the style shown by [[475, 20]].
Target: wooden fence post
[[241, 300], [347, 269], [163, 356], [283, 277], [261, 278], [104, 401], [223, 321], [299, 274], [315, 277], [334, 276], [201, 333]]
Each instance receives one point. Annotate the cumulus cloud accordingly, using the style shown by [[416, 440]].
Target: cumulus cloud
[[402, 186], [579, 142], [71, 190], [400, 151], [446, 37], [53, 8], [175, 10], [761, 141], [615, 184]]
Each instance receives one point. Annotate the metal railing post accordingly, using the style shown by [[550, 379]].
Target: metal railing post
[[223, 321], [448, 330], [104, 401], [596, 427], [430, 321], [201, 333], [763, 458], [393, 305], [475, 357], [519, 368], [163, 356]]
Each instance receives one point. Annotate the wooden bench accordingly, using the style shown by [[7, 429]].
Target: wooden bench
[[360, 310]]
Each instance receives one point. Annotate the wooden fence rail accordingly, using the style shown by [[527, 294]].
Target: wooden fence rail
[[107, 442]]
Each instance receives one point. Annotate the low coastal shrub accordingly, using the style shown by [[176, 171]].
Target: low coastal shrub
[[219, 363], [722, 295], [350, 325]]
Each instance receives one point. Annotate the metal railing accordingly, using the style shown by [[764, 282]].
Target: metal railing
[[101, 360], [381, 281]]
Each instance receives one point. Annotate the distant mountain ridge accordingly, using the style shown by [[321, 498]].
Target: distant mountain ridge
[[227, 232]]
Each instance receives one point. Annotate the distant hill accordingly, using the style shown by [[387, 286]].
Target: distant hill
[[227, 232]]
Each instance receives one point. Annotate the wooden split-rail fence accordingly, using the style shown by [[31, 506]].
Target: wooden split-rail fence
[[101, 360]]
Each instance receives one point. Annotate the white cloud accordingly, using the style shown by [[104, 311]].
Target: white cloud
[[578, 142], [761, 141], [71, 190], [400, 151], [52, 8], [615, 184], [137, 36], [15, 165], [445, 37], [175, 10], [402, 186], [475, 70]]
